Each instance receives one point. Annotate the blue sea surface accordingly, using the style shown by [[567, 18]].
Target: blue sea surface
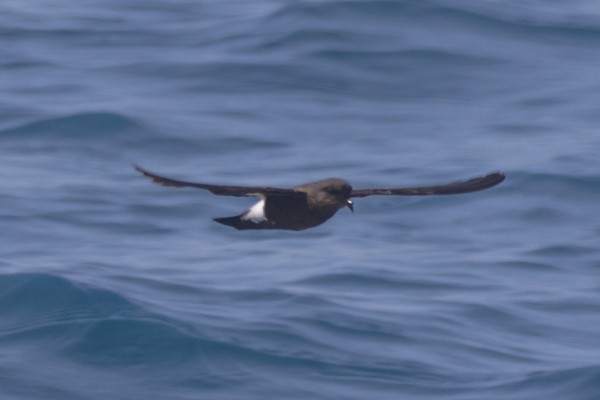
[[112, 287]]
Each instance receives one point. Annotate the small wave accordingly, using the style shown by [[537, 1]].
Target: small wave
[[564, 251], [406, 58], [27, 64], [581, 383], [529, 266], [87, 324], [546, 215], [80, 126], [559, 183], [329, 11], [238, 143], [132, 340], [33, 301], [101, 328], [474, 16], [367, 281]]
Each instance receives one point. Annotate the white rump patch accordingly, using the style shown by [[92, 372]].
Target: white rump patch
[[256, 213]]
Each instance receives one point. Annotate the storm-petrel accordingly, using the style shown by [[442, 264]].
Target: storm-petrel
[[311, 204]]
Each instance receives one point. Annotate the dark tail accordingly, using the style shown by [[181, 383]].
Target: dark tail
[[237, 222], [240, 223]]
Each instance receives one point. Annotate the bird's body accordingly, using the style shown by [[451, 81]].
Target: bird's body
[[311, 204], [318, 202]]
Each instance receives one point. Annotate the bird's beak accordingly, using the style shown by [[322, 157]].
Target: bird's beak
[[350, 205]]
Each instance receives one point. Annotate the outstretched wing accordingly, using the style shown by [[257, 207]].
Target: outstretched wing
[[471, 185], [221, 190]]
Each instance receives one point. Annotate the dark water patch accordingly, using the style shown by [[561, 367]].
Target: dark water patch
[[398, 60], [530, 266], [522, 129], [43, 65], [304, 38], [580, 306], [563, 251], [542, 102], [52, 89], [546, 215], [16, 33], [132, 341], [238, 143], [369, 281], [237, 114]]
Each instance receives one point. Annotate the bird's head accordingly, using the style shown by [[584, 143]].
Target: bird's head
[[340, 191]]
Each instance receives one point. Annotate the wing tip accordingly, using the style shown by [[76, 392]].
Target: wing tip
[[495, 177], [141, 170], [159, 180], [471, 185]]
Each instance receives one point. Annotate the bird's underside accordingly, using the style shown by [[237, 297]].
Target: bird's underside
[[311, 204]]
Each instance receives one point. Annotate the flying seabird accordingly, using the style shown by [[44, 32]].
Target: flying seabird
[[311, 204]]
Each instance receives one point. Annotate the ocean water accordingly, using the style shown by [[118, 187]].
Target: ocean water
[[112, 287]]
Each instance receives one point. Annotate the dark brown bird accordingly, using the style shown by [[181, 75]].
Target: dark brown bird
[[311, 204]]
